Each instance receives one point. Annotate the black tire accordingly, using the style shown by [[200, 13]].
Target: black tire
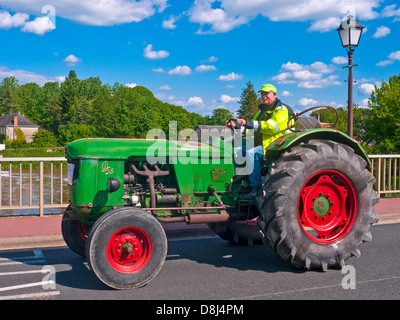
[[285, 212], [74, 233], [238, 232], [133, 228]]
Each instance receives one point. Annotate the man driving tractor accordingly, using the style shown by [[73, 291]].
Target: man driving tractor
[[269, 123]]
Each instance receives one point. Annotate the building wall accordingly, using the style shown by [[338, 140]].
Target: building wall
[[28, 132]]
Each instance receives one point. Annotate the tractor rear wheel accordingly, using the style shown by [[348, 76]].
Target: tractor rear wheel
[[126, 248], [318, 205], [245, 232]]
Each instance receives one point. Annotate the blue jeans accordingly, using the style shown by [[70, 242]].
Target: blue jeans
[[253, 157]]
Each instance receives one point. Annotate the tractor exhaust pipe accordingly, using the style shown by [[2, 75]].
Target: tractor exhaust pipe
[[194, 218]]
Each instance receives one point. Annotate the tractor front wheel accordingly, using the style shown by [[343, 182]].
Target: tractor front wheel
[[126, 248], [318, 205]]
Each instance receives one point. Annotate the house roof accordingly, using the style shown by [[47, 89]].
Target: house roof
[[7, 120]]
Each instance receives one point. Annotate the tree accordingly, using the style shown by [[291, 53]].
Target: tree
[[383, 125], [249, 102], [8, 97], [51, 115], [44, 139], [219, 116], [359, 116], [69, 96]]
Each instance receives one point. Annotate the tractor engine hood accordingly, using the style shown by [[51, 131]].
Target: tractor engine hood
[[100, 148]]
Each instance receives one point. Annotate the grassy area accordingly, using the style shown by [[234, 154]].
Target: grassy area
[[32, 152]]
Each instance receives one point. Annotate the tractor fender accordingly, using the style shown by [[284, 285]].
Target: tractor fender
[[287, 141]]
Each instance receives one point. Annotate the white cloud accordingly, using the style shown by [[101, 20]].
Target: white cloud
[[39, 26], [24, 76], [170, 23], [390, 11], [366, 88], [164, 87], [230, 77], [180, 70], [320, 83], [322, 67], [307, 76], [292, 66], [286, 93], [8, 21], [224, 15], [392, 57], [71, 60], [212, 59], [381, 32], [92, 12], [395, 55], [205, 68], [130, 85], [305, 102], [325, 25], [149, 53], [195, 101], [159, 70], [228, 99], [203, 13], [364, 103], [384, 63], [339, 60]]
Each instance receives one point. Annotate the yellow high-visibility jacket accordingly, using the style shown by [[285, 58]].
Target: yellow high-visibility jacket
[[270, 123]]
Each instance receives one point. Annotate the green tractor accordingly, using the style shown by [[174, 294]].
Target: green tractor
[[315, 208]]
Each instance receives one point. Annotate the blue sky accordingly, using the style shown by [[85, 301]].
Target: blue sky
[[200, 54]]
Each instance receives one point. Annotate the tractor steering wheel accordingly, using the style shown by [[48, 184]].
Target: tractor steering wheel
[[231, 126]]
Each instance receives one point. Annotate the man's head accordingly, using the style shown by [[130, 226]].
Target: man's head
[[268, 94]]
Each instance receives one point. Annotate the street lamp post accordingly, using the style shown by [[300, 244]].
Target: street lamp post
[[350, 33]]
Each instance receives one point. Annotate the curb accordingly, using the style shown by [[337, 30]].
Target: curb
[[174, 231], [57, 240]]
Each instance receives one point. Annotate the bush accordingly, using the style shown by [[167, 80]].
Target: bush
[[44, 139]]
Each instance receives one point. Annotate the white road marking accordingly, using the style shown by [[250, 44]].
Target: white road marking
[[312, 288], [36, 295], [27, 285], [36, 258], [22, 272]]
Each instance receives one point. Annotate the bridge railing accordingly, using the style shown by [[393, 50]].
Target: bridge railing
[[42, 183], [386, 169], [33, 183]]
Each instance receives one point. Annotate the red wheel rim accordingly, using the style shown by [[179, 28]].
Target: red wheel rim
[[129, 250], [327, 206]]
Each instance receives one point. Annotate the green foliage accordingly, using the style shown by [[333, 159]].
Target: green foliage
[[249, 102], [44, 139], [19, 141], [80, 108], [87, 108], [383, 126], [359, 117], [219, 117]]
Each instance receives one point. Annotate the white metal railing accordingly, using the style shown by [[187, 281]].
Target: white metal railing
[[33, 183], [386, 169], [42, 183]]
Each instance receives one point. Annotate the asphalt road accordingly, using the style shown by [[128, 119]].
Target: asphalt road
[[209, 269]]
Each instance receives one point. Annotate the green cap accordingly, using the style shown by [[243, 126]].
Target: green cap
[[267, 88]]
